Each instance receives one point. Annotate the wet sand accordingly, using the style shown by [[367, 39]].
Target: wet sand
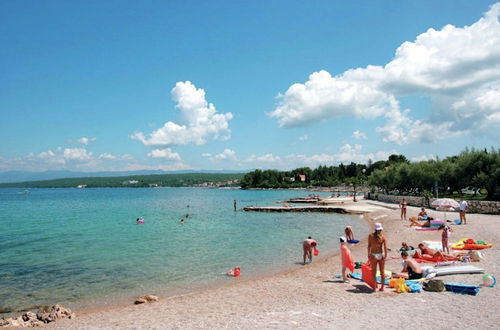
[[308, 296]]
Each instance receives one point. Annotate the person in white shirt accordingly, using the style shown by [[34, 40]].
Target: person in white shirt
[[463, 209]]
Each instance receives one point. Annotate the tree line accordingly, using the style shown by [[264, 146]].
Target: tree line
[[135, 181], [322, 176], [478, 169]]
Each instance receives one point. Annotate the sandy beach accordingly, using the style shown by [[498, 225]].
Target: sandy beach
[[309, 297]]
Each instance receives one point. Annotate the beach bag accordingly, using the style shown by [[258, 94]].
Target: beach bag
[[316, 252], [434, 285]]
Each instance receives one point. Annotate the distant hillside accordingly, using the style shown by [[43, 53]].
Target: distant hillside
[[24, 176], [154, 180]]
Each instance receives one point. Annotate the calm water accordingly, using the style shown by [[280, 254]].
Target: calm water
[[81, 246]]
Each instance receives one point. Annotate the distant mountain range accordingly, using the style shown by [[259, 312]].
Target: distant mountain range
[[22, 176]]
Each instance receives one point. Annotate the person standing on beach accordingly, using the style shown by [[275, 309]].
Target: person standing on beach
[[377, 253], [463, 208], [445, 235], [308, 246], [402, 206], [346, 257], [348, 233]]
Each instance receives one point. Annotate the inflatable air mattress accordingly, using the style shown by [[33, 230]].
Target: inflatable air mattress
[[452, 270]]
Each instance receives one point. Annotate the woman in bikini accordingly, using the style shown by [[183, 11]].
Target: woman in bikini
[[308, 245], [402, 206], [377, 253]]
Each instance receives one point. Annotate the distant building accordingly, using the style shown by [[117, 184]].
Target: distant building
[[302, 177], [130, 182], [80, 186]]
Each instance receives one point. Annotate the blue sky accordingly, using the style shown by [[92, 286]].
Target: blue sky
[[127, 85]]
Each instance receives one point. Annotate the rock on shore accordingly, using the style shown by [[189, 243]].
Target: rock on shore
[[146, 299], [44, 315]]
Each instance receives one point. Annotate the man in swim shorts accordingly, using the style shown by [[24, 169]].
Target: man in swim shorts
[[308, 246], [411, 269], [463, 209]]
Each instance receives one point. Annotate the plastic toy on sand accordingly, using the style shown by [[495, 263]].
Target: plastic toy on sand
[[489, 280], [470, 244]]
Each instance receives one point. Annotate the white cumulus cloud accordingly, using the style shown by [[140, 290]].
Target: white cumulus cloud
[[457, 68], [85, 140], [359, 135], [267, 158], [80, 154], [304, 137], [107, 156], [166, 153], [423, 158], [227, 154], [199, 120]]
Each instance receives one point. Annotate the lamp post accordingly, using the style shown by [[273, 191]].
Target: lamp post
[[363, 178]]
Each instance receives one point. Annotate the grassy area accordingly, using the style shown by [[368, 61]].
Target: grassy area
[[456, 195]]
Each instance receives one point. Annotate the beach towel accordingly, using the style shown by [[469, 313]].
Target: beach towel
[[427, 229]]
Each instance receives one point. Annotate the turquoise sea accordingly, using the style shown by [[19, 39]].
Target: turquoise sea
[[82, 247]]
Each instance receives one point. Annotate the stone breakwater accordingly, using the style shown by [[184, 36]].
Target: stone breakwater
[[43, 316], [484, 207], [297, 209]]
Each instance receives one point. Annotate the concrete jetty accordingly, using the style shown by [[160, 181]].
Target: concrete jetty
[[336, 205], [305, 208], [304, 200]]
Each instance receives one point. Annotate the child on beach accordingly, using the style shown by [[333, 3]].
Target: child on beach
[[347, 261], [349, 235], [234, 272], [406, 247], [445, 235]]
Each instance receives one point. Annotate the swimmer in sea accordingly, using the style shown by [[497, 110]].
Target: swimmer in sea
[[234, 272], [377, 253]]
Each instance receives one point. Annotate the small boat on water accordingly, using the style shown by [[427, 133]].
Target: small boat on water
[[24, 192]]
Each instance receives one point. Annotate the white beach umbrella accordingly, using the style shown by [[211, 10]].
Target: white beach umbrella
[[445, 204]]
